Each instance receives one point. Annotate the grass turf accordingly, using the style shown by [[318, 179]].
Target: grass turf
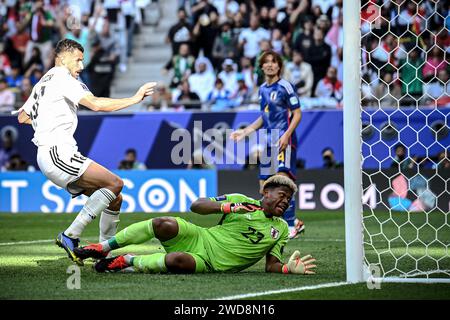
[[38, 270]]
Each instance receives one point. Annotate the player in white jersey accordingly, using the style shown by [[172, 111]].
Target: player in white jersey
[[52, 111]]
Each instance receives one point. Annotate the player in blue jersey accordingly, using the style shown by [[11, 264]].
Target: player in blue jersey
[[280, 116]]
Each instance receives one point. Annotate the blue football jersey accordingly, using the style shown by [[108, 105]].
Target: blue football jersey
[[277, 101]]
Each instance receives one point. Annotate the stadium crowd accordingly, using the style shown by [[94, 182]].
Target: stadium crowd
[[29, 31], [216, 44]]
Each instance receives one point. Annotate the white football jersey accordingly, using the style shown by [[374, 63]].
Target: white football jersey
[[52, 107]]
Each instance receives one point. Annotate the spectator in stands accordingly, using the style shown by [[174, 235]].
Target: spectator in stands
[[411, 76], [187, 99], [304, 39], [244, 12], [231, 8], [324, 5], [109, 43], [401, 160], [323, 23], [129, 10], [34, 73], [202, 7], [299, 73], [34, 61], [242, 95], [16, 163], [387, 92], [387, 56], [443, 161], [100, 70], [250, 38], [329, 161], [229, 76], [40, 24], [439, 87], [7, 149], [330, 87], [5, 63], [205, 32], [434, 64], [15, 78], [7, 97], [225, 44], [116, 22], [161, 99], [130, 162], [20, 40], [277, 40], [366, 91], [219, 98], [246, 73], [25, 89], [238, 25], [182, 65], [318, 55], [202, 81], [180, 33], [335, 38]]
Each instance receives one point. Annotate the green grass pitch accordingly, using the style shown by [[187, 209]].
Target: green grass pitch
[[33, 267]]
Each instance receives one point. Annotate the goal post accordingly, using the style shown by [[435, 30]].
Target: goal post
[[352, 142], [390, 101]]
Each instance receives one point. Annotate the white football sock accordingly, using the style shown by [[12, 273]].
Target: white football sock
[[96, 203], [109, 221]]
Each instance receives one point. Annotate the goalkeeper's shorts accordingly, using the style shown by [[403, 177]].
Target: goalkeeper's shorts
[[190, 240]]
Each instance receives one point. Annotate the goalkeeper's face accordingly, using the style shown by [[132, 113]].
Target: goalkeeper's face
[[277, 200]]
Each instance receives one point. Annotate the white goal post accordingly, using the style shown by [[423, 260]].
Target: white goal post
[[399, 242], [352, 142]]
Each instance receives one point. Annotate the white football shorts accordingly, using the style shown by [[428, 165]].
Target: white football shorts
[[63, 165]]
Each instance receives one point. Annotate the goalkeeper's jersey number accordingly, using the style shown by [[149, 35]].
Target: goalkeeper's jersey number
[[253, 235]]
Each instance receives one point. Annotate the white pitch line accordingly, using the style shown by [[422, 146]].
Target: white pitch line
[[24, 242], [33, 242], [265, 293], [321, 240]]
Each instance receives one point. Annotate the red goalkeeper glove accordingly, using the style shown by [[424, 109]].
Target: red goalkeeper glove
[[243, 207]]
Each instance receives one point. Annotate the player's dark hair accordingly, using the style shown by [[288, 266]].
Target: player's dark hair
[[276, 56], [67, 45], [131, 150]]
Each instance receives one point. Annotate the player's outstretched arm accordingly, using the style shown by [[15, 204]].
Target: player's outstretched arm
[[206, 206], [108, 104], [296, 264], [242, 133]]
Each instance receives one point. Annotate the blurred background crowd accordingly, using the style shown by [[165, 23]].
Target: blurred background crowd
[[215, 45]]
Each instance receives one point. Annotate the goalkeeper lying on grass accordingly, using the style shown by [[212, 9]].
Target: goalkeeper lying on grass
[[249, 230]]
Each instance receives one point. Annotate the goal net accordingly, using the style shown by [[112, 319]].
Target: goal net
[[405, 138]]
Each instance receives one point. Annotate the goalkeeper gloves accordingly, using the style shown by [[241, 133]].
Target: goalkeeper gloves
[[299, 265], [243, 207]]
